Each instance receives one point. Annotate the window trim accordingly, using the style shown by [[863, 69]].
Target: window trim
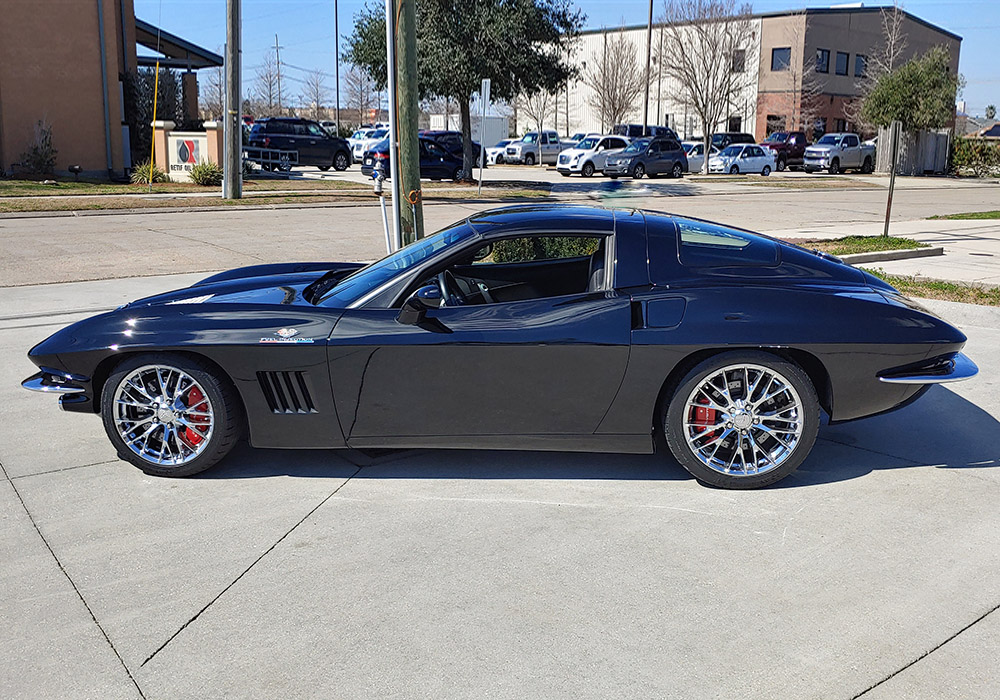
[[788, 63]]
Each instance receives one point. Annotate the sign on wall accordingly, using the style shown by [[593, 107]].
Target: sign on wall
[[184, 151]]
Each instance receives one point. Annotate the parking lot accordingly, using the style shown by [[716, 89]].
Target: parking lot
[[872, 572]]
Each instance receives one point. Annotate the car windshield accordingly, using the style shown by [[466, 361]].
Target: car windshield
[[530, 138], [828, 140], [637, 146], [778, 137], [718, 138], [731, 151], [380, 134], [587, 144], [501, 144], [369, 278]]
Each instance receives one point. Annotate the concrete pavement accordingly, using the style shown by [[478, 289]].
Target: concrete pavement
[[872, 572]]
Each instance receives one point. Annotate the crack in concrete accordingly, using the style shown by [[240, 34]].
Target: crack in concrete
[[247, 570], [927, 653], [72, 583]]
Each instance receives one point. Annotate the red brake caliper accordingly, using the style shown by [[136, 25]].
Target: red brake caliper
[[194, 398], [703, 415]]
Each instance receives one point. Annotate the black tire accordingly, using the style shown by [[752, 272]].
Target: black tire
[[457, 175], [341, 161], [735, 170], [324, 168], [672, 416], [499, 160], [677, 172], [228, 414], [529, 159], [835, 166], [867, 167], [587, 170], [781, 165], [638, 171], [766, 171]]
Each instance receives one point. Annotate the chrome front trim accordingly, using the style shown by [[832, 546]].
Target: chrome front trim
[[53, 381], [961, 368]]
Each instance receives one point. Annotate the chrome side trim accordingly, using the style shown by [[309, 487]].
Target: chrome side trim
[[961, 368], [53, 381]]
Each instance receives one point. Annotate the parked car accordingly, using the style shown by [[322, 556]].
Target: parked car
[[435, 162], [311, 141], [330, 126], [742, 158], [367, 142], [648, 156], [577, 138], [696, 154], [839, 151], [451, 141], [721, 139], [527, 149], [590, 155], [788, 147], [495, 153], [635, 131], [610, 328]]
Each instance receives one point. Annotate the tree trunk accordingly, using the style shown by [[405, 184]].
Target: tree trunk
[[707, 146], [468, 154]]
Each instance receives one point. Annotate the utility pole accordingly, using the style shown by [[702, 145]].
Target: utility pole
[[336, 63], [649, 55], [233, 124], [411, 212], [277, 61]]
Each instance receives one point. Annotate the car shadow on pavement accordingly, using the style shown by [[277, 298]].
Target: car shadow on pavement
[[941, 430]]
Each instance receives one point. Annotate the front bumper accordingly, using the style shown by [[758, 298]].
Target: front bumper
[[939, 371], [72, 389], [617, 168]]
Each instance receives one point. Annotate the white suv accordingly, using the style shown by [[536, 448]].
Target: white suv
[[590, 154]]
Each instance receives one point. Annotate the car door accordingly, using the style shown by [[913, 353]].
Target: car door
[[316, 144], [438, 161], [546, 366], [851, 148]]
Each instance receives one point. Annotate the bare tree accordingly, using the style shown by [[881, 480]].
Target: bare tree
[[359, 91], [616, 80], [265, 85], [885, 59], [213, 93], [537, 107], [702, 39], [314, 92]]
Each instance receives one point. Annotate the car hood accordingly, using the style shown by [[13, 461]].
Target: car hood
[[819, 150], [261, 284]]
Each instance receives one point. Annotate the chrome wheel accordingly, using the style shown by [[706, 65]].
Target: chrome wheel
[[743, 420], [163, 415]]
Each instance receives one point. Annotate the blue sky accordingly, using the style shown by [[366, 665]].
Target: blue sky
[[305, 30]]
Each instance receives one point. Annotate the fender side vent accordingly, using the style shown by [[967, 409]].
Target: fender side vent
[[286, 392]]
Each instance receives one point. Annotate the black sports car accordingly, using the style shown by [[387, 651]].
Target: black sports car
[[535, 327]]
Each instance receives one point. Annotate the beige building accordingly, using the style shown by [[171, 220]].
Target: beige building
[[64, 63], [806, 65]]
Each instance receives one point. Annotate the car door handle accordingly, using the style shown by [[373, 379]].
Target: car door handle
[[312, 143]]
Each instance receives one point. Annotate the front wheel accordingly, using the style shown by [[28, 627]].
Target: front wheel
[[781, 164], [834, 166], [677, 172], [742, 420], [766, 171], [170, 415], [458, 174], [639, 171], [499, 160], [587, 170], [735, 170], [529, 159]]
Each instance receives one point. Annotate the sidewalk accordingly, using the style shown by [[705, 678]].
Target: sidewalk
[[971, 248]]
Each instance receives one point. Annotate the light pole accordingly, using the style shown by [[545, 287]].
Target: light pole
[[649, 55]]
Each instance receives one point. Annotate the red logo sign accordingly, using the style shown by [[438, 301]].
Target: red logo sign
[[187, 151]]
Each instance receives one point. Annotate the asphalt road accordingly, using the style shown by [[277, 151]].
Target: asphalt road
[[872, 572]]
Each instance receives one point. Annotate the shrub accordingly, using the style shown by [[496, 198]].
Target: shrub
[[40, 158], [207, 173], [979, 157], [543, 248], [140, 174]]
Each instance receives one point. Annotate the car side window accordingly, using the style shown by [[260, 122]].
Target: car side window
[[654, 148], [539, 248], [671, 146], [435, 150], [315, 130], [704, 244], [618, 143], [851, 141]]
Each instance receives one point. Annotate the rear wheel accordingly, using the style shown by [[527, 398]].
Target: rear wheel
[[742, 420], [866, 167], [170, 415], [324, 168], [341, 161], [588, 169]]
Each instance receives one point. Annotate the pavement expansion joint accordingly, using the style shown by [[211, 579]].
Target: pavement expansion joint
[[247, 570], [928, 652], [64, 469], [72, 583]]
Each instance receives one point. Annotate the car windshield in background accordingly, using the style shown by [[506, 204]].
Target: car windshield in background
[[778, 137], [637, 146], [731, 151], [717, 139], [356, 285], [501, 144], [380, 134], [828, 141], [587, 144], [530, 138]]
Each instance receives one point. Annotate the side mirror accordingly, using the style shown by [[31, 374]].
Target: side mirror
[[415, 308]]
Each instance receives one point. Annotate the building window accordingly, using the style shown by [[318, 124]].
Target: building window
[[822, 60], [775, 123], [781, 58], [860, 63], [840, 125], [735, 124], [842, 60], [739, 60]]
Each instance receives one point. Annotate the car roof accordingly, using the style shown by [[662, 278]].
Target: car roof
[[551, 218]]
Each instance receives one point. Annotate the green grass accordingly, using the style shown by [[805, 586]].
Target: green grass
[[985, 295], [849, 245], [972, 215]]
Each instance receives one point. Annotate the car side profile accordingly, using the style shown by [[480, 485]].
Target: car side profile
[[742, 158], [648, 156], [839, 151], [535, 328], [590, 154], [696, 154], [313, 144], [435, 162]]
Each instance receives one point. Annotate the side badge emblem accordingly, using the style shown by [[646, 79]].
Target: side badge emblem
[[285, 335]]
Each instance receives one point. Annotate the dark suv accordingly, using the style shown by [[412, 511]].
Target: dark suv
[[314, 145], [721, 139], [634, 131], [648, 156], [451, 141]]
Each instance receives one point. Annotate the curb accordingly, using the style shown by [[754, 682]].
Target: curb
[[886, 255]]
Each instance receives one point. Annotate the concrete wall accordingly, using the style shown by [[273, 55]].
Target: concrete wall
[[50, 69]]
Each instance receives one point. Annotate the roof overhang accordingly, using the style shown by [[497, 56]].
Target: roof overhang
[[177, 52]]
